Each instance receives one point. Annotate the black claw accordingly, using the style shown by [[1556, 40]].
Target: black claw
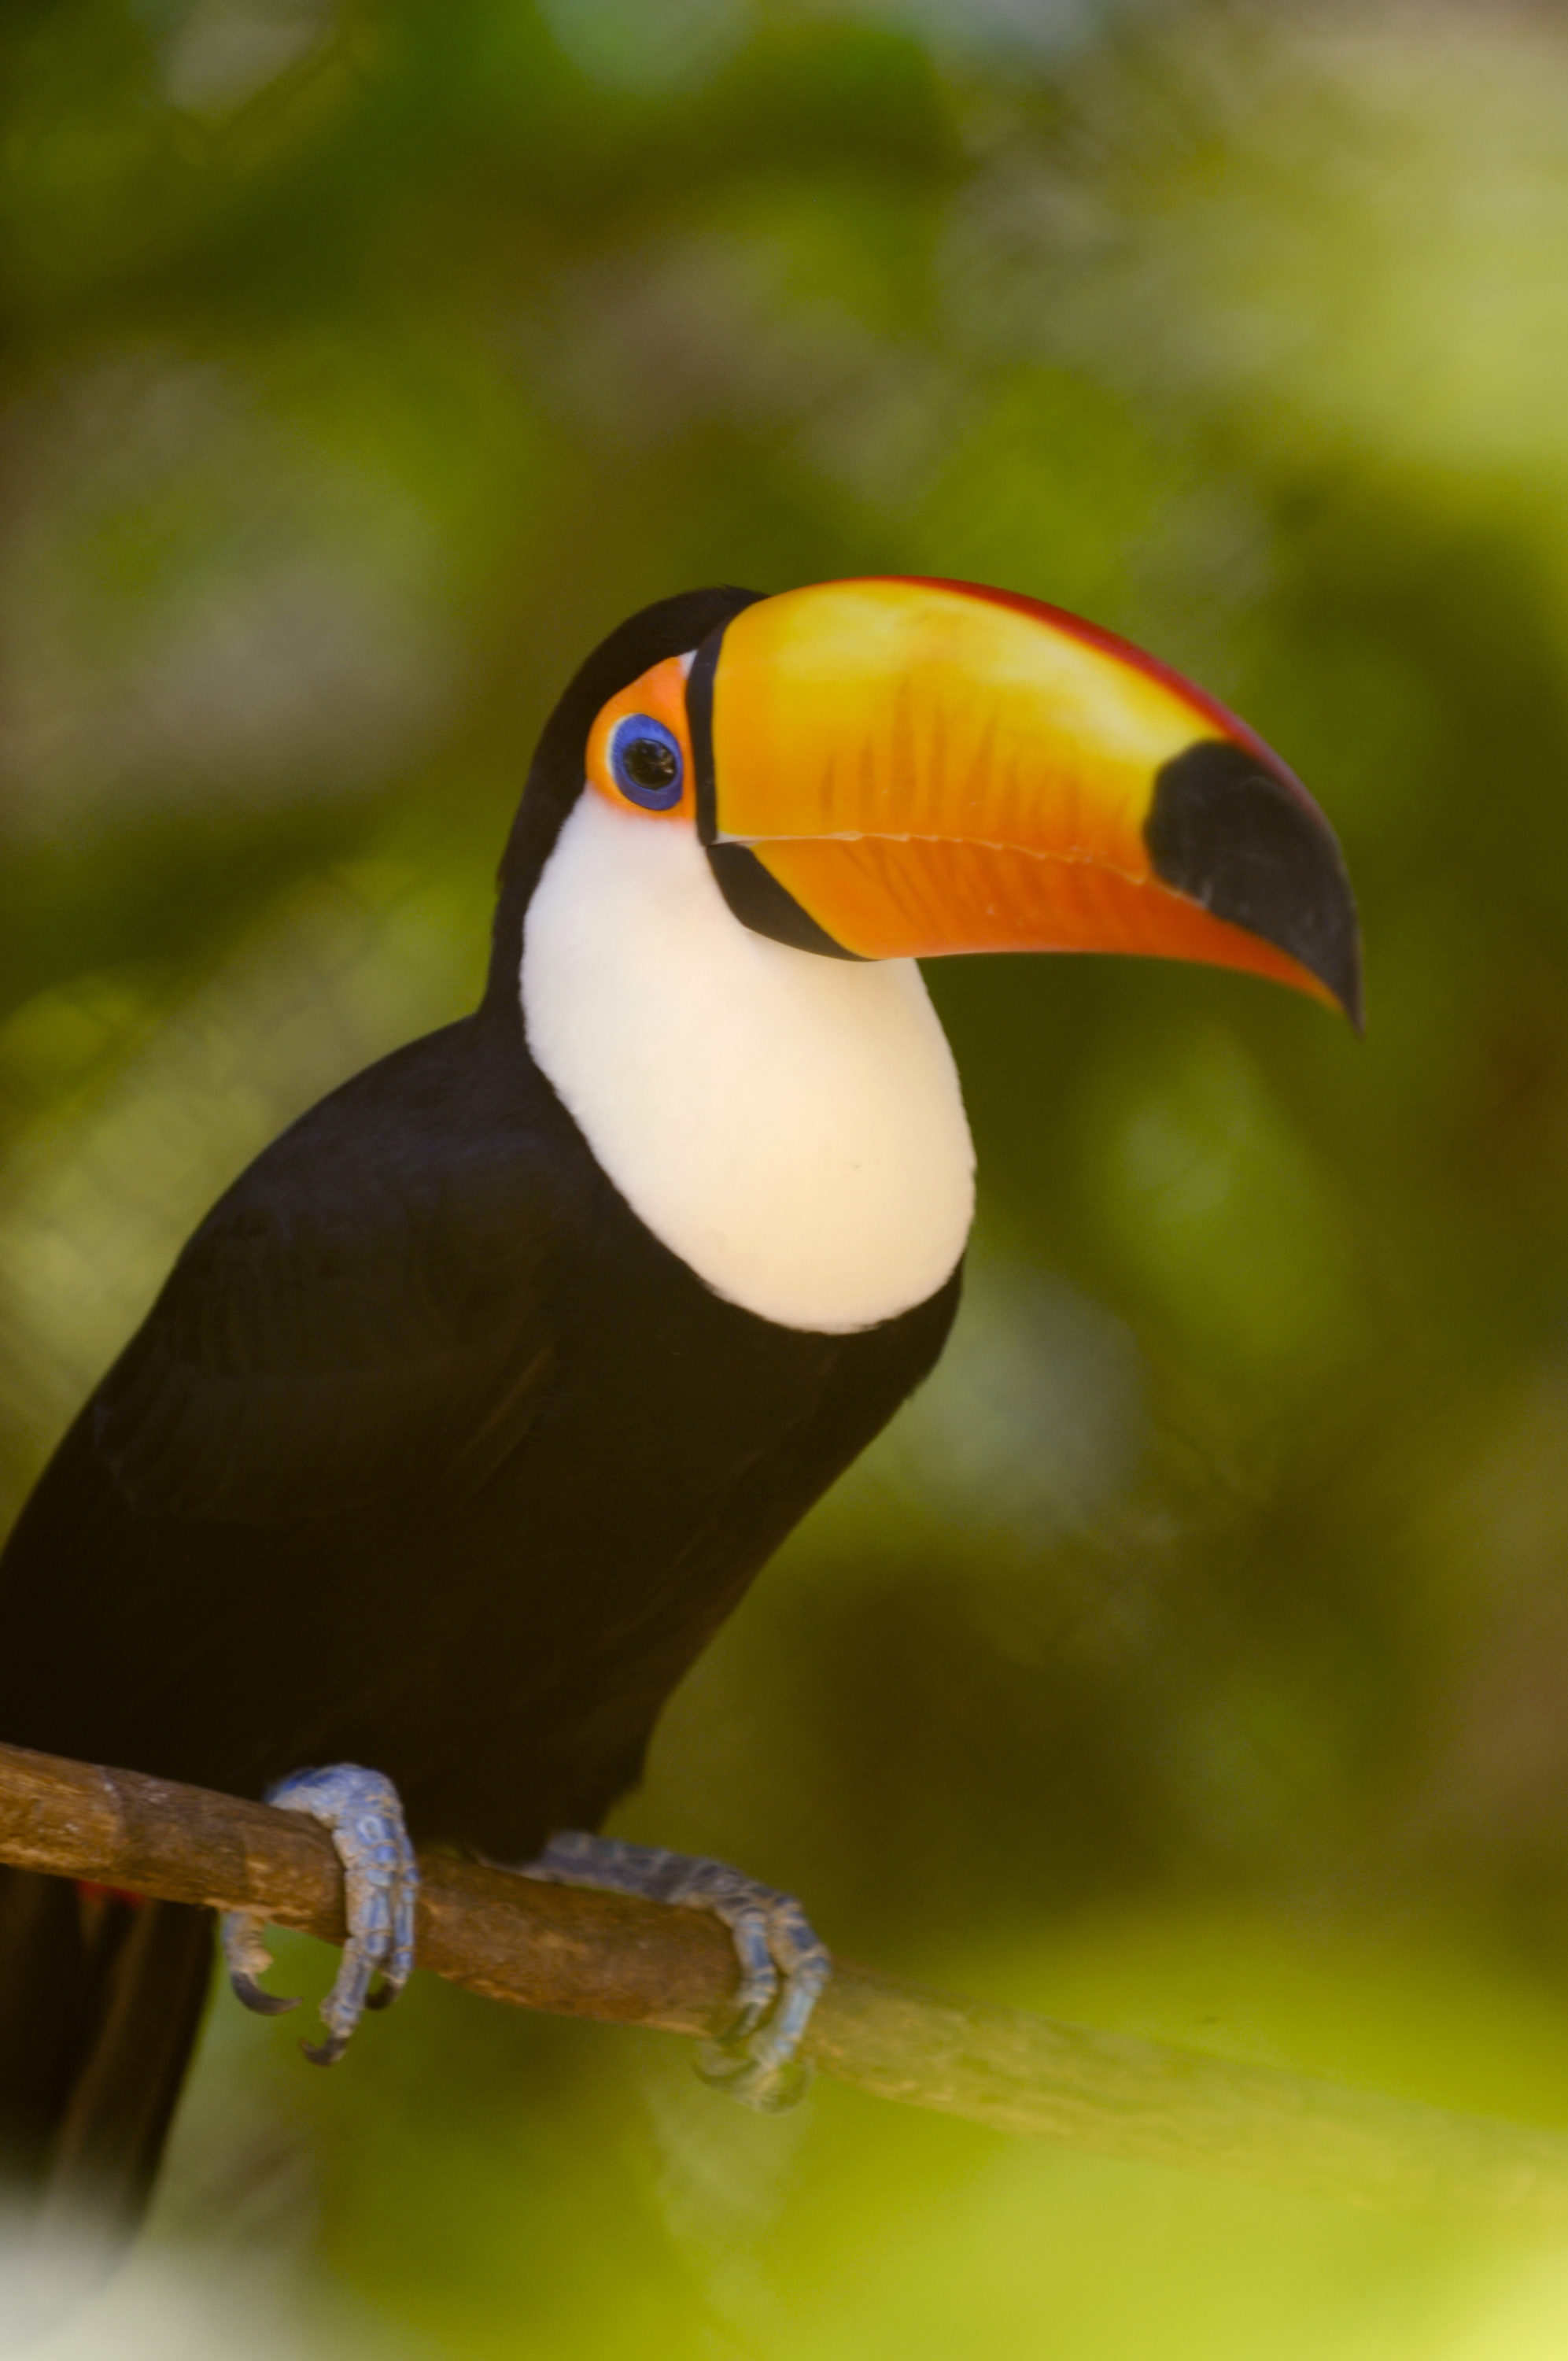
[[724, 2056], [786, 2090], [383, 1997], [771, 2090], [327, 2052], [265, 2003]]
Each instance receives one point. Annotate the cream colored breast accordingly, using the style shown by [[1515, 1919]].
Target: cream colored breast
[[790, 1126]]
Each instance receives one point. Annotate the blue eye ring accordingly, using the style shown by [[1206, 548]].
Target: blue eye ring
[[646, 762]]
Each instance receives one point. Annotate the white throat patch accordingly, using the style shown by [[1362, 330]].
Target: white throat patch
[[789, 1124]]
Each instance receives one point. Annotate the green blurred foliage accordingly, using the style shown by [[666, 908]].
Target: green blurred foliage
[[1191, 1656]]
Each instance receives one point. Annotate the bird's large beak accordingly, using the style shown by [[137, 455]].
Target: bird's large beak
[[897, 768]]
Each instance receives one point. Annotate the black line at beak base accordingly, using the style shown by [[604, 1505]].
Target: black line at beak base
[[760, 902], [752, 892], [1227, 834]]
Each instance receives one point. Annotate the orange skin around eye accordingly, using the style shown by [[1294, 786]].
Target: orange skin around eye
[[661, 694]]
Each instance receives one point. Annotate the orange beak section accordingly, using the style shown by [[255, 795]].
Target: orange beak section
[[925, 767]]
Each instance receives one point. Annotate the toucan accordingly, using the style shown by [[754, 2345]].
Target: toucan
[[471, 1409]]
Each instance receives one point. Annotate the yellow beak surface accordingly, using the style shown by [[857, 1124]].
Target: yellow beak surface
[[920, 767]]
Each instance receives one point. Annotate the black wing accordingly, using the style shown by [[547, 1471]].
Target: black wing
[[229, 1556], [360, 1321]]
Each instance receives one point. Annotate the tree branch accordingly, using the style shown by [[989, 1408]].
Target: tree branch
[[579, 1954]]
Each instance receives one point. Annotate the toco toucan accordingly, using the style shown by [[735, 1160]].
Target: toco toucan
[[471, 1409]]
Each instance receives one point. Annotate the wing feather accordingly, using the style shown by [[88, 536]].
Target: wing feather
[[361, 1321]]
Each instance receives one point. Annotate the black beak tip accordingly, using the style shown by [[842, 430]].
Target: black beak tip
[[1352, 1003], [1252, 847]]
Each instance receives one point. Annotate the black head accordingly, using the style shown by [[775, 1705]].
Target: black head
[[670, 628]]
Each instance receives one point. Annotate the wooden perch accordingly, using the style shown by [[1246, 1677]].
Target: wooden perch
[[579, 1954]]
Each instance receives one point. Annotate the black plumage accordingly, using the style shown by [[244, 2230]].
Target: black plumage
[[429, 1456]]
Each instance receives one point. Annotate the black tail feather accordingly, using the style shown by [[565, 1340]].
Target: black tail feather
[[100, 2001]]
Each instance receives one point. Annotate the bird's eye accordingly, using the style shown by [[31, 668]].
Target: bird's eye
[[645, 763]]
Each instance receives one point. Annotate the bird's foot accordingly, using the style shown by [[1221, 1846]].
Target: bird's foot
[[381, 1886], [784, 1965]]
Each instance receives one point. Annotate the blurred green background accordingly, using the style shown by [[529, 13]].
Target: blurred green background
[[1192, 1657]]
